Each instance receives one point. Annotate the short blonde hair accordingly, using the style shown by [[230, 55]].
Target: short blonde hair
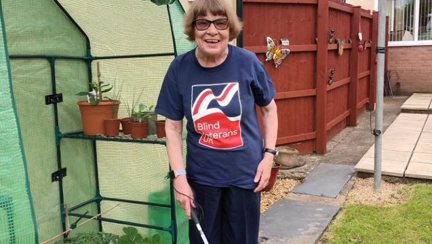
[[215, 7]]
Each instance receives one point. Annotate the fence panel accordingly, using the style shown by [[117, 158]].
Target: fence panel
[[327, 79]]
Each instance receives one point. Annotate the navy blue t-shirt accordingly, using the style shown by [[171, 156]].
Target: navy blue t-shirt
[[224, 142]]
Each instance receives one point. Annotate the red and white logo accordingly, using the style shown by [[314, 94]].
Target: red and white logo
[[216, 113]]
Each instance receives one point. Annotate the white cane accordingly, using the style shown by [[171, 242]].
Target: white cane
[[198, 226]]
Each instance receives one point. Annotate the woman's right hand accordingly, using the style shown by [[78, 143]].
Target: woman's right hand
[[184, 194]]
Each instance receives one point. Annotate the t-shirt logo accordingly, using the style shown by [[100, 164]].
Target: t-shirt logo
[[216, 112]]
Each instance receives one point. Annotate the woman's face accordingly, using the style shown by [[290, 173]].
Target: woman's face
[[211, 41]]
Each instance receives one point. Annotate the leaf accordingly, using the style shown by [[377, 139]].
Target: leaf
[[139, 239], [82, 93], [106, 90], [124, 240], [156, 239], [130, 231]]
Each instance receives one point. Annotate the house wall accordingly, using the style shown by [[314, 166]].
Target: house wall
[[366, 4], [411, 67]]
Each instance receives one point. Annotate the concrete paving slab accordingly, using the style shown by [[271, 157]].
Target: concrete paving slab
[[419, 157], [398, 146], [419, 170], [410, 117], [428, 125], [407, 122], [410, 121], [388, 167], [401, 134], [407, 125], [407, 136], [417, 101], [425, 137], [410, 125], [325, 180], [290, 221], [424, 147], [404, 129], [389, 155]]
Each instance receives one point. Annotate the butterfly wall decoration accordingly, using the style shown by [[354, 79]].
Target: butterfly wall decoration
[[276, 52]]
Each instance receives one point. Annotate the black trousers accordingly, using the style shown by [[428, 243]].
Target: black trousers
[[229, 215]]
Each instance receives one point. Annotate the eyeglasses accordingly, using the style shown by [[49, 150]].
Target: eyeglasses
[[204, 24]]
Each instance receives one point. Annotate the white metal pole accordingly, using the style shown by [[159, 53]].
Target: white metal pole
[[380, 93]]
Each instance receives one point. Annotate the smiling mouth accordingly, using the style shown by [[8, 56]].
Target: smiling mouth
[[212, 41]]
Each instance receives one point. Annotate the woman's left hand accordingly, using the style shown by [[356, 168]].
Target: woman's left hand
[[263, 172]]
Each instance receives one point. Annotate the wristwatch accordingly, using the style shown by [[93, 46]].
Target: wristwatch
[[176, 173], [272, 151]]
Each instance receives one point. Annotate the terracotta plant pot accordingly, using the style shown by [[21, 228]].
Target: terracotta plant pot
[[93, 116], [112, 127], [160, 128], [139, 129], [273, 177], [125, 122]]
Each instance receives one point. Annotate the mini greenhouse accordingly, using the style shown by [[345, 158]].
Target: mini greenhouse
[[53, 178]]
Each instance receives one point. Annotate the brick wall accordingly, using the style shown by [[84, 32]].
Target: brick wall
[[413, 65]]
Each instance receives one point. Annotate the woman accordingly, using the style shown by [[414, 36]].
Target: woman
[[216, 87]]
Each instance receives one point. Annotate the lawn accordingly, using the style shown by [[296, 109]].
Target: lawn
[[409, 222]]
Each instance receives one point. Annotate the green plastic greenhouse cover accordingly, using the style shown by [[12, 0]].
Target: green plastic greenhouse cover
[[17, 222], [40, 39]]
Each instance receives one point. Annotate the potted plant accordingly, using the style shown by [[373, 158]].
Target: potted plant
[[98, 107], [287, 158], [111, 127], [125, 122], [273, 176], [140, 121], [160, 128]]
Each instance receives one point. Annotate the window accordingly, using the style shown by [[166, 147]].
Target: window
[[410, 22]]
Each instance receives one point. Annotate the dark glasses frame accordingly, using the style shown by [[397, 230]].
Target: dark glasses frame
[[216, 23]]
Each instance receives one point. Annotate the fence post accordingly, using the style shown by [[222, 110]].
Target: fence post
[[373, 63], [321, 76], [353, 88]]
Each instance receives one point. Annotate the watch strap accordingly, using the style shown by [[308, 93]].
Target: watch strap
[[272, 151], [176, 173]]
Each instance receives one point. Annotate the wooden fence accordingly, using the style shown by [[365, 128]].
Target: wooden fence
[[312, 109]]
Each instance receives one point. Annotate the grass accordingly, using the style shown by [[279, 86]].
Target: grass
[[410, 222]]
